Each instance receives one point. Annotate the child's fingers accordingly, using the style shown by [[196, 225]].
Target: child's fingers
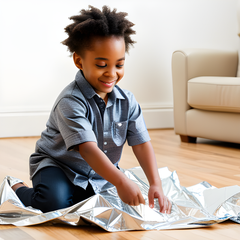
[[137, 201], [151, 200], [151, 196], [166, 208], [162, 203], [169, 207], [141, 199], [134, 202]]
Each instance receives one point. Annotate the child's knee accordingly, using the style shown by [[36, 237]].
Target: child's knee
[[48, 201]]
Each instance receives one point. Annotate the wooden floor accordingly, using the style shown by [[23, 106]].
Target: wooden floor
[[215, 162]]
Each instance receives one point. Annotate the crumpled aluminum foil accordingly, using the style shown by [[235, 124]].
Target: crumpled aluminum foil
[[200, 205]]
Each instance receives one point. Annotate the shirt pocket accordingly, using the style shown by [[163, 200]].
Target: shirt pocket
[[119, 132]]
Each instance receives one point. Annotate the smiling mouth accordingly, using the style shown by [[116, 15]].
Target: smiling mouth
[[108, 83]]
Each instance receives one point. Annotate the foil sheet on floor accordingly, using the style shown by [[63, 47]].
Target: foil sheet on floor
[[200, 205]]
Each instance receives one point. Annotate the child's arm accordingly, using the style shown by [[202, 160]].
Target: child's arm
[[146, 157], [128, 191]]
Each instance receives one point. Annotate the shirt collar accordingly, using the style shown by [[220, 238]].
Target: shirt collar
[[84, 86], [89, 92]]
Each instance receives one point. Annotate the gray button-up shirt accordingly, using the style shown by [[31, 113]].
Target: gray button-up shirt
[[75, 118]]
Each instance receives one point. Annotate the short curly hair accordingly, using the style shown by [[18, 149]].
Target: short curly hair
[[93, 23]]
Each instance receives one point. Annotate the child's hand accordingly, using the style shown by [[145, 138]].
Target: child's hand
[[130, 193], [156, 192]]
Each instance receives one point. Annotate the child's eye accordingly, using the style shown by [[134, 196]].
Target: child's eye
[[101, 66], [120, 65]]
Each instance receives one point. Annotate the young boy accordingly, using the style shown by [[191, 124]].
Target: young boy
[[80, 149]]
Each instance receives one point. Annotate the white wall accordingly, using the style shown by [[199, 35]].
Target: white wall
[[35, 67]]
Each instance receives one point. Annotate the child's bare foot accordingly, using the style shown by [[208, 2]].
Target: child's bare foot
[[15, 183], [18, 185]]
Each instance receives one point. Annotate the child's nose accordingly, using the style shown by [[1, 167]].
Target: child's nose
[[111, 72]]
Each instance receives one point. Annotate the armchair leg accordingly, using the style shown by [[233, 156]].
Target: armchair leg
[[188, 139]]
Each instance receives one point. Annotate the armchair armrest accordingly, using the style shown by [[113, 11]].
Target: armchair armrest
[[206, 62], [191, 63]]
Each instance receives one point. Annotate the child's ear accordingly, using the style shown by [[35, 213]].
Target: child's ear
[[77, 60]]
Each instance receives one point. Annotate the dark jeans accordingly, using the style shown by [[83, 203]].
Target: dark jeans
[[52, 190]]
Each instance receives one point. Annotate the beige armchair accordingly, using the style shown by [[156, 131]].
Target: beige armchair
[[206, 95]]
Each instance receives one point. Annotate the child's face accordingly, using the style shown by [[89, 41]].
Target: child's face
[[103, 65]]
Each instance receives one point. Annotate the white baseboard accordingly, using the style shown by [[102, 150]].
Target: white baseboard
[[33, 123], [158, 118], [22, 124]]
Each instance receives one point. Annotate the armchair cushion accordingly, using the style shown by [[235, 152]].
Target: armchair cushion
[[220, 94]]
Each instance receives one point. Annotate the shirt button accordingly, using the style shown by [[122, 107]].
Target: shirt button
[[120, 124], [105, 151], [105, 143]]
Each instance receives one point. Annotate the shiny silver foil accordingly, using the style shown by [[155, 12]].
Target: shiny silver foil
[[200, 205]]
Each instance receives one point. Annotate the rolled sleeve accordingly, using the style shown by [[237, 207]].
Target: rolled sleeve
[[138, 138], [80, 137], [72, 122]]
